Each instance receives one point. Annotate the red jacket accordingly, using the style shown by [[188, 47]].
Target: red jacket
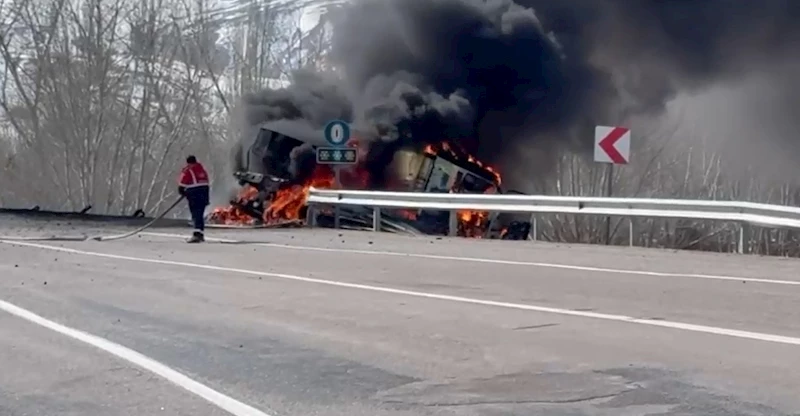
[[193, 175]]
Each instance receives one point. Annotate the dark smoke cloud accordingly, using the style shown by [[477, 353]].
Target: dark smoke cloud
[[657, 48], [497, 75], [434, 70], [316, 98], [297, 110]]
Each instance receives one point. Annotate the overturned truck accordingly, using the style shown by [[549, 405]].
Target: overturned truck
[[276, 170]]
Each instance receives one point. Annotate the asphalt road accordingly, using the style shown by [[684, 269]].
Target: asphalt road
[[333, 323]]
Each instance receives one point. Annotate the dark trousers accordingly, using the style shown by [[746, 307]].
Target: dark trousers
[[198, 201]]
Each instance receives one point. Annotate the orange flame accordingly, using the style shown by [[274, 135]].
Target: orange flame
[[288, 202], [233, 214], [470, 223], [461, 154]]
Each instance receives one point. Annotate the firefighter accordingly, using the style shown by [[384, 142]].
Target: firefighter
[[194, 185]]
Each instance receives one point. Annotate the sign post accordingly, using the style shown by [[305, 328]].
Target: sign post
[[612, 145], [337, 134]]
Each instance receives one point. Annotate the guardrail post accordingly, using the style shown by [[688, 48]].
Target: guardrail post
[[336, 215], [311, 217], [630, 232], [453, 224], [534, 233], [376, 219], [743, 246]]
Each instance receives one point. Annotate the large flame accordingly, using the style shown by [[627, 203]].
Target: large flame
[[289, 200], [286, 204], [235, 214]]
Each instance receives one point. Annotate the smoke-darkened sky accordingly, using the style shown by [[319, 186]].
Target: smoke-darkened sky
[[500, 74]]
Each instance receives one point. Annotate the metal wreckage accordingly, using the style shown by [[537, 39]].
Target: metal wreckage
[[277, 170]]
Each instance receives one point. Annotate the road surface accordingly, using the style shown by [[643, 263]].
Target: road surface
[[321, 322]]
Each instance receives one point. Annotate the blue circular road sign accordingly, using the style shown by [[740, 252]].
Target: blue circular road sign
[[337, 132]]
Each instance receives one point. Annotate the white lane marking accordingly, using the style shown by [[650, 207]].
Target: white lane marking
[[519, 306], [216, 398], [506, 262]]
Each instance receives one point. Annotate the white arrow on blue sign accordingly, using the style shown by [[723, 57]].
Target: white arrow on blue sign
[[337, 132]]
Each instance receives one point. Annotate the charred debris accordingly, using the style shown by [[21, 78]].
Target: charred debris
[[277, 170]]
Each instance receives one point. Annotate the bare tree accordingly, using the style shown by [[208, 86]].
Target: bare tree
[[104, 100], [667, 169]]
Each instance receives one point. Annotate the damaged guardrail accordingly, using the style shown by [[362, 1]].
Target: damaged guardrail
[[745, 213]]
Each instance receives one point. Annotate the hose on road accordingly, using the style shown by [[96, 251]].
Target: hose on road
[[142, 228], [46, 238], [97, 238]]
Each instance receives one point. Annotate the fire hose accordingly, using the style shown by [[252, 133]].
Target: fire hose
[[100, 237], [142, 228]]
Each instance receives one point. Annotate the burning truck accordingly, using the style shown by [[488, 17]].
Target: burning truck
[[279, 167]]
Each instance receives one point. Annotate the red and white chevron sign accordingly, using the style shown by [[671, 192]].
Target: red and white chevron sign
[[612, 145]]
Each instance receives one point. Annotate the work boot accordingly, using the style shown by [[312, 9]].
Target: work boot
[[197, 237]]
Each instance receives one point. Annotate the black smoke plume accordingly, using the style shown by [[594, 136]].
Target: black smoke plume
[[499, 75], [656, 48]]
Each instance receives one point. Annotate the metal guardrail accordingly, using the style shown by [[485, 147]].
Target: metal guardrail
[[744, 213]]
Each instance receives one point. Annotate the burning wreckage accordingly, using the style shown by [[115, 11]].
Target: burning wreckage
[[276, 172], [446, 68]]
